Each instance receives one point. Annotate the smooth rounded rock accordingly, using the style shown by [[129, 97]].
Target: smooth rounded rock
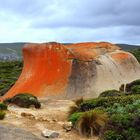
[[10, 132]]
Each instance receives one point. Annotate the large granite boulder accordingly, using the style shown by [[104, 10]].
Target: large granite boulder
[[54, 70]]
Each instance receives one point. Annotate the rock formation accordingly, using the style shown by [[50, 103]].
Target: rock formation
[[10, 132], [54, 70]]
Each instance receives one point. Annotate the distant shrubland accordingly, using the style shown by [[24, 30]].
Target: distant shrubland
[[9, 73], [136, 53]]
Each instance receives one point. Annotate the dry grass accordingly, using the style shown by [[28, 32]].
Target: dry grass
[[92, 122], [78, 101], [75, 107], [72, 109]]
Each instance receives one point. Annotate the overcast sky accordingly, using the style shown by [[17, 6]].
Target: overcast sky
[[117, 21]]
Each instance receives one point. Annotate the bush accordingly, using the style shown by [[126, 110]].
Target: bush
[[75, 116], [112, 135], [75, 108], [136, 53], [107, 102], [109, 93], [131, 134], [91, 123], [117, 108], [121, 121], [24, 100], [2, 114], [136, 122], [9, 73], [126, 125], [135, 89], [3, 106], [130, 85]]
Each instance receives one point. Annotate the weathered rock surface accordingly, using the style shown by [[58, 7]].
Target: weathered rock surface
[[50, 133], [67, 126], [9, 132], [54, 70]]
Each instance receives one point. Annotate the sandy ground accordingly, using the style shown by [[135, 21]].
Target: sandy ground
[[52, 115]]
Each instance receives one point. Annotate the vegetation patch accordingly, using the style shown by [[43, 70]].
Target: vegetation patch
[[2, 114], [136, 53], [110, 93], [24, 100], [3, 106], [9, 73], [128, 87], [110, 116]]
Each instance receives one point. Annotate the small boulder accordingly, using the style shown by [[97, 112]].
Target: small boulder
[[50, 133], [27, 115], [67, 126]]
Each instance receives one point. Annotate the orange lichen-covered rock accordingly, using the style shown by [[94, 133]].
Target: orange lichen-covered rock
[[68, 71], [90, 50]]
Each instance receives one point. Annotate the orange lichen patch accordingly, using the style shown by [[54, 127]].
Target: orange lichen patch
[[120, 56], [93, 45], [89, 50], [46, 66]]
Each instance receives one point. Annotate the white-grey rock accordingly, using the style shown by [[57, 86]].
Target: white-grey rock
[[50, 133], [67, 126]]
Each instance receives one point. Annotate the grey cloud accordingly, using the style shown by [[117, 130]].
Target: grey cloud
[[85, 20], [92, 14]]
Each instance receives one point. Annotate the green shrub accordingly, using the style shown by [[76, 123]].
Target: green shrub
[[118, 108], [107, 102], [135, 89], [3, 106], [91, 123], [112, 135], [129, 86], [136, 122], [136, 53], [126, 125], [131, 134], [24, 100], [75, 116], [120, 121], [109, 93], [7, 101], [9, 73], [2, 114], [4, 90]]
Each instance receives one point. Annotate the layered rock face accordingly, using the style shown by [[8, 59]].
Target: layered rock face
[[54, 70]]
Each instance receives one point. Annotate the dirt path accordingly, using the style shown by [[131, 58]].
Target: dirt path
[[52, 115]]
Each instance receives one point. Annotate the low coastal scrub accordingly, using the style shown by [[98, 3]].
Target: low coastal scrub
[[75, 108], [127, 88], [3, 108], [114, 115], [24, 100], [2, 114], [110, 93], [136, 53], [9, 73]]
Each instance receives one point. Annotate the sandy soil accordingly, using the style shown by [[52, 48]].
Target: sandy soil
[[52, 115]]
